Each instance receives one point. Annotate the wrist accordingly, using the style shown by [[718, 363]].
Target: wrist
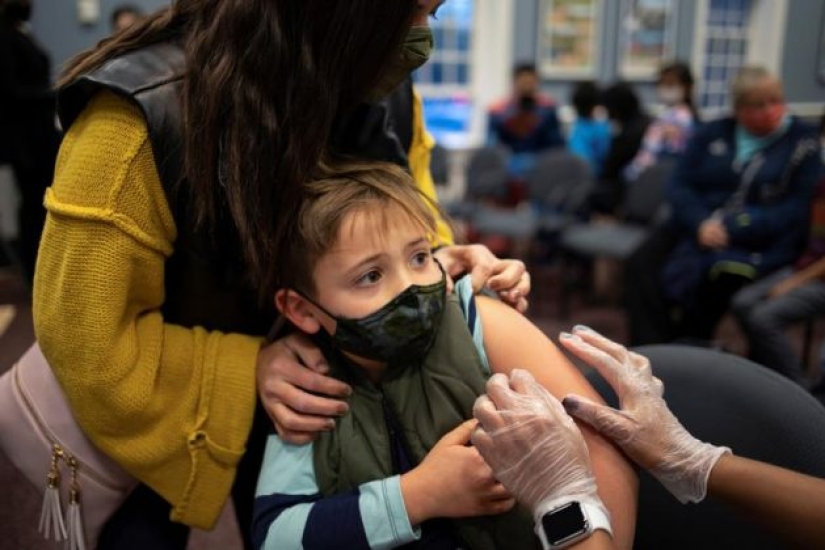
[[562, 523], [416, 500]]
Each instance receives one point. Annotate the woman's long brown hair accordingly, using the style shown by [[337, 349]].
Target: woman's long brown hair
[[262, 84]]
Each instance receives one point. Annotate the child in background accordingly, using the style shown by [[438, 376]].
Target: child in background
[[396, 469], [589, 136], [667, 135]]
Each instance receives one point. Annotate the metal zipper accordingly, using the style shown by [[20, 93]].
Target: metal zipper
[[54, 440]]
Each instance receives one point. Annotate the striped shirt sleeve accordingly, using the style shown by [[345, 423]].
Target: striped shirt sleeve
[[291, 513], [466, 298]]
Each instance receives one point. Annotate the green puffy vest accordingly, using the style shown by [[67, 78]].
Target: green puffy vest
[[428, 400]]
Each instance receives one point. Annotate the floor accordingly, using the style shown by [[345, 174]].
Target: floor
[[20, 503]]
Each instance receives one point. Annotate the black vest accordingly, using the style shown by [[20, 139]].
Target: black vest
[[204, 279]]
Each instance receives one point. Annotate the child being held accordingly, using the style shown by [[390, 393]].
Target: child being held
[[397, 469]]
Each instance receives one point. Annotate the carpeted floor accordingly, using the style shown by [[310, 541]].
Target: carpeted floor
[[20, 502]]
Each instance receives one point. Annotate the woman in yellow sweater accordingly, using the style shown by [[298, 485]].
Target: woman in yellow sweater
[[184, 136]]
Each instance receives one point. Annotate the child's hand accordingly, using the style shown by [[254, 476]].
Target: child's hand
[[453, 481]]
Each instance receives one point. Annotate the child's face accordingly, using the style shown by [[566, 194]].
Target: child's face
[[373, 261]]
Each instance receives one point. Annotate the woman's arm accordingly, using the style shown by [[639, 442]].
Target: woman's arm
[[786, 502], [172, 405], [512, 341]]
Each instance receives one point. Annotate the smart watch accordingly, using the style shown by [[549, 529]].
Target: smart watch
[[570, 523]]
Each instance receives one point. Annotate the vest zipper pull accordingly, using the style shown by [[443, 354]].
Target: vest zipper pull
[[51, 515]]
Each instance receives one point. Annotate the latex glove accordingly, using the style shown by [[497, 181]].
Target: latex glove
[[534, 448], [645, 428], [507, 278]]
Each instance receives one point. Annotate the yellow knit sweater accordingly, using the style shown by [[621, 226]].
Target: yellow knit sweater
[[173, 405]]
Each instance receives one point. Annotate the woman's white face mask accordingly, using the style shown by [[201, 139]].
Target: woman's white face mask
[[671, 95]]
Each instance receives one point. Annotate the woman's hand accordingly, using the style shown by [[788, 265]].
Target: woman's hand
[[299, 398], [507, 278], [453, 481], [644, 428]]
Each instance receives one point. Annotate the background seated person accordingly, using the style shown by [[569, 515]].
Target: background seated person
[[629, 124], [766, 308], [740, 197], [667, 135], [589, 135], [526, 123], [362, 280]]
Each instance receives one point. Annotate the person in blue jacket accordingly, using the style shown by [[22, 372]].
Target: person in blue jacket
[[740, 198], [526, 123]]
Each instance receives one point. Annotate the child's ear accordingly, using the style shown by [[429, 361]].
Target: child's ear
[[298, 310]]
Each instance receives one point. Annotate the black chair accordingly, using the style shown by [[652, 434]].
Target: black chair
[[486, 181], [725, 400], [644, 208], [557, 186], [440, 165]]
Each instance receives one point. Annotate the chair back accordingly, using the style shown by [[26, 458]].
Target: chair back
[[645, 197], [725, 400], [439, 164], [559, 180], [487, 174]]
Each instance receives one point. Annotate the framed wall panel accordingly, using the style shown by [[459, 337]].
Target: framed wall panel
[[647, 37], [568, 44]]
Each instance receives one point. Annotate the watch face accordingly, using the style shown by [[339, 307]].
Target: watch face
[[564, 524]]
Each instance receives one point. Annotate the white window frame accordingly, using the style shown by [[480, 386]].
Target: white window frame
[[766, 40], [491, 60]]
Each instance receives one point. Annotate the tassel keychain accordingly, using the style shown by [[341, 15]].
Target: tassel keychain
[[51, 515], [74, 519]]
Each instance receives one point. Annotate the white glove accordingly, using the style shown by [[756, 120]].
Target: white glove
[[534, 448], [644, 427]]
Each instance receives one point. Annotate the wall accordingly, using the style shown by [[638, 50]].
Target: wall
[[806, 19], [55, 24], [802, 30]]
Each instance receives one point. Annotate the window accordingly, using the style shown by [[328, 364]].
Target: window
[[449, 70], [445, 80], [567, 37], [727, 28], [647, 36]]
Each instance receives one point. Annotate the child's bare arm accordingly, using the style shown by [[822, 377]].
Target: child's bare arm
[[512, 341]]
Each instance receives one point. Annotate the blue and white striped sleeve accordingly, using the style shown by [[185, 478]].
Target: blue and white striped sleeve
[[290, 513], [466, 298]]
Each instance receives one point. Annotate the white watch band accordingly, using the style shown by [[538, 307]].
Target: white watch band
[[596, 515]]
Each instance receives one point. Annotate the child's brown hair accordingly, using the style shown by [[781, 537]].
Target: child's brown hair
[[342, 189]]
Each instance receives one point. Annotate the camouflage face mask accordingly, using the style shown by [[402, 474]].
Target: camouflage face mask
[[403, 328]]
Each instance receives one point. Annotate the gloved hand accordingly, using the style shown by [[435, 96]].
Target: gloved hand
[[534, 448], [644, 427]]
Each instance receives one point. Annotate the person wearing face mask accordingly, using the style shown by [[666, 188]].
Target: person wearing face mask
[[396, 470], [667, 135], [526, 123], [28, 136], [740, 197], [187, 137], [794, 294]]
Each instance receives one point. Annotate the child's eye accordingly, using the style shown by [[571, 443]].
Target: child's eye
[[421, 258], [369, 278]]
